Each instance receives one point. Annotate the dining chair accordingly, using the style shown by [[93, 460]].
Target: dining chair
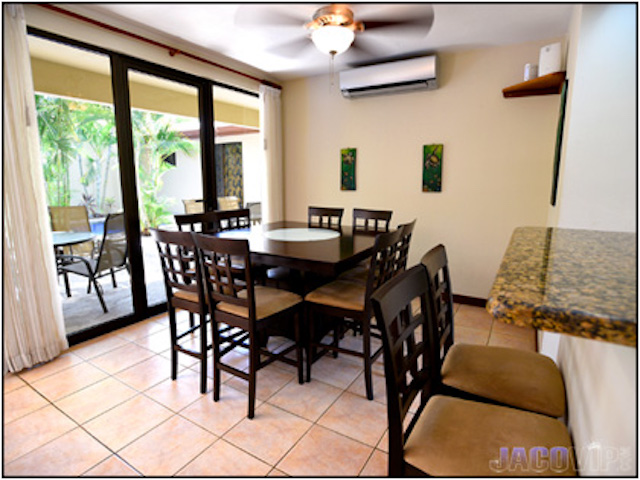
[[184, 291], [193, 206], [111, 258], [73, 219], [450, 436], [228, 203], [254, 309], [371, 221], [508, 376], [233, 219], [324, 217], [348, 302], [197, 222], [360, 272], [256, 212]]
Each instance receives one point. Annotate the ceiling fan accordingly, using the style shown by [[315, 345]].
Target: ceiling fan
[[334, 28]]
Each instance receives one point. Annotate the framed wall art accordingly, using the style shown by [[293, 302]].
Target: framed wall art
[[432, 168], [348, 169]]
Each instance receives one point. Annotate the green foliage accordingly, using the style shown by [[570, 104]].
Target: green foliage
[[85, 132]]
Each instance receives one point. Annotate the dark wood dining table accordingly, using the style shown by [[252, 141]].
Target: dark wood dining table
[[327, 257]]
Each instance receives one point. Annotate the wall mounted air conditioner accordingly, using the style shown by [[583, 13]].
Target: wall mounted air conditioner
[[392, 77]]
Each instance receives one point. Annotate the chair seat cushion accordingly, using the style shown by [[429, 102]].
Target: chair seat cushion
[[186, 295], [359, 273], [518, 378], [269, 301], [80, 268], [340, 293], [455, 437]]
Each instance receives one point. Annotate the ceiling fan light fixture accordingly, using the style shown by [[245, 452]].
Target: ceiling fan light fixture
[[333, 39]]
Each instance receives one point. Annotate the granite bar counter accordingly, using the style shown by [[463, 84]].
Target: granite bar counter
[[576, 282]]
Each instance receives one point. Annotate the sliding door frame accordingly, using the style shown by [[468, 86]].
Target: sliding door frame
[[121, 64]]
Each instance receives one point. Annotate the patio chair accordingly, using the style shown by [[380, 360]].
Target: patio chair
[[112, 257], [436, 435], [228, 203], [193, 206], [72, 219]]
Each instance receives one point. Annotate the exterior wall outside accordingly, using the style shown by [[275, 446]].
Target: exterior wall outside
[[497, 161], [598, 191]]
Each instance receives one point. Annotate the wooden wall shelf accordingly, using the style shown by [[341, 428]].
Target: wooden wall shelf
[[547, 85]]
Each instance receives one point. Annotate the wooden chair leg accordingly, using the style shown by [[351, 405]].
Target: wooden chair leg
[[366, 350], [254, 352], [203, 353], [192, 321], [310, 339], [296, 326], [174, 341], [216, 360]]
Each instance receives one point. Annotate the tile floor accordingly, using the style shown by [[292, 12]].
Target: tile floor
[[108, 407]]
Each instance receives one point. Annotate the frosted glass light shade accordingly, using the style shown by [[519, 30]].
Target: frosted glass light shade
[[332, 39]]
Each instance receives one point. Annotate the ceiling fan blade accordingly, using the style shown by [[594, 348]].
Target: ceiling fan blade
[[291, 49], [419, 22], [360, 49]]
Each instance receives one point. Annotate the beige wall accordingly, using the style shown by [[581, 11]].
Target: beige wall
[[598, 191], [497, 161], [67, 81]]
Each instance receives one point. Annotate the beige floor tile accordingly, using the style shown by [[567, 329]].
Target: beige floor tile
[[379, 386], [98, 346], [11, 382], [54, 366], [183, 439], [309, 400], [121, 358], [269, 381], [69, 381], [502, 328], [141, 329], [339, 372], [270, 434], [357, 418], [34, 430], [21, 402], [95, 399], [218, 417], [146, 374], [184, 360], [383, 444], [72, 454], [472, 336], [113, 466], [522, 343], [224, 460], [377, 466], [473, 317], [177, 394], [322, 452], [276, 473], [156, 342], [128, 421]]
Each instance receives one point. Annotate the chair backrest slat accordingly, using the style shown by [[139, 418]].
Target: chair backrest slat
[[405, 243], [324, 217], [179, 262], [197, 222], [371, 221], [383, 264], [441, 300], [233, 219]]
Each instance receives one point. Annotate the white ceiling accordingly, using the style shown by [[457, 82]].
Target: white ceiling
[[263, 35]]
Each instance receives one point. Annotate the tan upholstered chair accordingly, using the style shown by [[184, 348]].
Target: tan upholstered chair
[[450, 436], [347, 303], [228, 203], [508, 376], [237, 303], [184, 291]]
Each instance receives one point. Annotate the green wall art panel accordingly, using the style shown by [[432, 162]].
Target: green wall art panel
[[348, 170], [432, 168]]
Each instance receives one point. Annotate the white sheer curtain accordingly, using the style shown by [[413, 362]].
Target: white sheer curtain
[[271, 133], [33, 323]]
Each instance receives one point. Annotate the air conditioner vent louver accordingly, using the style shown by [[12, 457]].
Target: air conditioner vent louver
[[391, 77]]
